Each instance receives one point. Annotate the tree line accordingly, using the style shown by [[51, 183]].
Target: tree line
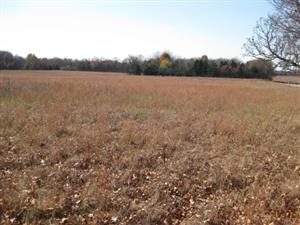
[[160, 64], [275, 43]]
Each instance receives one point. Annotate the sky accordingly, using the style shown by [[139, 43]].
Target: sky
[[118, 28]]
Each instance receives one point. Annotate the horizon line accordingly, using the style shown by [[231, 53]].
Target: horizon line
[[119, 58]]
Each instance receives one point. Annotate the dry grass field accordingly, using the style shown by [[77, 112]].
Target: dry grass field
[[287, 79], [92, 148]]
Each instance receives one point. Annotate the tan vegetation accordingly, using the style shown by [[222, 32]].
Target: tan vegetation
[[287, 79], [92, 148]]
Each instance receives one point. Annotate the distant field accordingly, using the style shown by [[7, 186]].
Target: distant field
[[288, 79], [97, 148]]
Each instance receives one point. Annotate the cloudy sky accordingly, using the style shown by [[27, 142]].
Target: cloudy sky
[[118, 28]]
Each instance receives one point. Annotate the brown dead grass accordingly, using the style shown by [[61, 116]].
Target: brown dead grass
[[92, 148], [287, 79]]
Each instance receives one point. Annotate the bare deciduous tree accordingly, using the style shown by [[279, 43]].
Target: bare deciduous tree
[[277, 37]]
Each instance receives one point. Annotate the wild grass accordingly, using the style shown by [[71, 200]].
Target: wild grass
[[287, 79], [92, 148]]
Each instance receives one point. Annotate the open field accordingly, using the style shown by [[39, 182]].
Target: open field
[[287, 79], [92, 148]]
